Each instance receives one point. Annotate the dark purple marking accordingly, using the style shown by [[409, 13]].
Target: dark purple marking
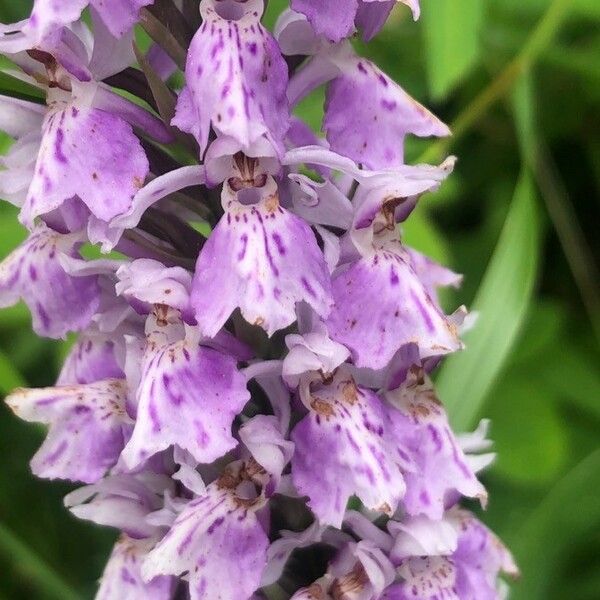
[[435, 436], [187, 540], [58, 147], [279, 243], [352, 441], [215, 524], [242, 252], [424, 313], [54, 456], [307, 287], [127, 577], [43, 316]]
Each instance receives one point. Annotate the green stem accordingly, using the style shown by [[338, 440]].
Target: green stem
[[541, 37], [44, 577]]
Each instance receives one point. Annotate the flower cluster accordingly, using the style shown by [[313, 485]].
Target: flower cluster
[[250, 383]]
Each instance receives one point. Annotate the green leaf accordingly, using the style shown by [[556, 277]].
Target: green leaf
[[571, 372], [164, 37], [33, 567], [452, 29], [502, 302], [15, 88], [531, 443], [567, 514], [13, 11]]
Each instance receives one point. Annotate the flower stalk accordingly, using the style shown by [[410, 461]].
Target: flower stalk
[[251, 382]]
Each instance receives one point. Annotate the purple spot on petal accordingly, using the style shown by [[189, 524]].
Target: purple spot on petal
[[43, 316], [127, 577], [58, 150], [242, 252], [423, 311], [308, 287], [215, 524], [54, 456], [279, 243]]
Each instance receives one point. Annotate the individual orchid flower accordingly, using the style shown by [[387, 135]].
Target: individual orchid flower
[[214, 532], [260, 258], [439, 464], [380, 303], [457, 558], [188, 394], [236, 77], [89, 160]]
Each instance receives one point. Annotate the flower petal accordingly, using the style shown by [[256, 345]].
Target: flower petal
[[367, 116], [123, 501], [122, 578], [91, 359], [90, 154], [189, 395], [59, 303], [344, 434], [87, 428], [119, 16], [425, 578], [333, 20], [479, 558], [262, 259], [213, 533], [236, 77], [145, 282], [380, 305]]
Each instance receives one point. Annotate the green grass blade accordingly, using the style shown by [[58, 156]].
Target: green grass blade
[[555, 524], [502, 302], [452, 30], [32, 566]]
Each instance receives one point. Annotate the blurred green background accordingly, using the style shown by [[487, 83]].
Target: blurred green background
[[519, 82]]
